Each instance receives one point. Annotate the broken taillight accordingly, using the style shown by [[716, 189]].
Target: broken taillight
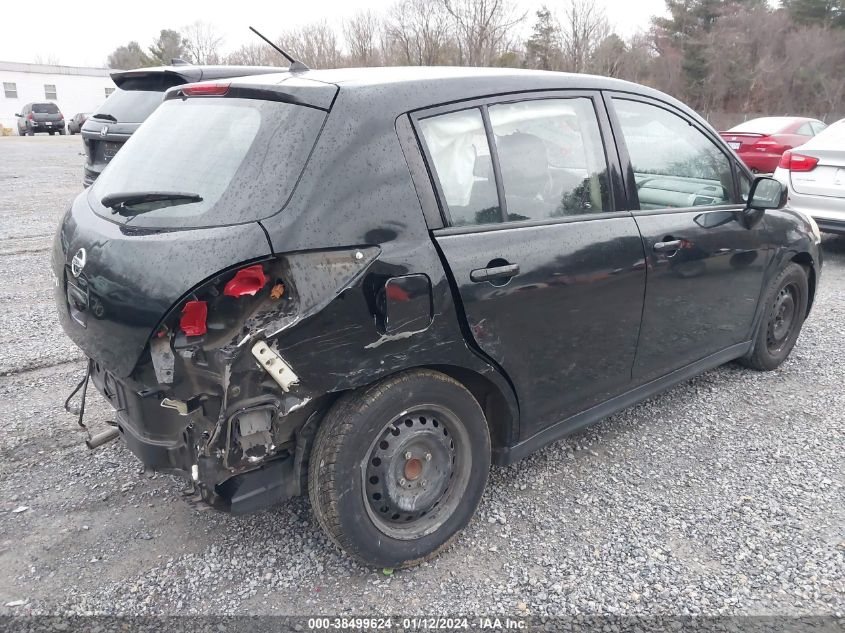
[[246, 281], [193, 319]]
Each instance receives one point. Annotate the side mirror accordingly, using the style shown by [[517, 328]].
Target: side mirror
[[766, 193], [17, 115]]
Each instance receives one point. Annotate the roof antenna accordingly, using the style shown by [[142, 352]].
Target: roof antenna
[[296, 66]]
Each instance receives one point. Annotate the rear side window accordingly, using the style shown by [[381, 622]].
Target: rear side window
[[674, 163], [817, 126], [241, 156], [457, 144], [551, 158], [805, 130]]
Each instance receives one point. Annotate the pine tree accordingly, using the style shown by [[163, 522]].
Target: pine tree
[[542, 50]]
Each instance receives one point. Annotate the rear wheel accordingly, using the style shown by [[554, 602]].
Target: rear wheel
[[398, 468], [785, 304]]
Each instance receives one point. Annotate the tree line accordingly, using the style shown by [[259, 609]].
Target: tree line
[[716, 55]]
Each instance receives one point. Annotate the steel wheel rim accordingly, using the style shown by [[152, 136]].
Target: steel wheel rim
[[782, 318], [416, 472]]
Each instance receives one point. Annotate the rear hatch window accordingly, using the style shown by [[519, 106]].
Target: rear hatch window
[[45, 108], [136, 99], [238, 159]]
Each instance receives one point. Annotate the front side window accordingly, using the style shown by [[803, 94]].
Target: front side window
[[457, 144], [50, 91], [551, 158], [675, 165], [817, 127], [109, 91], [805, 130], [10, 89]]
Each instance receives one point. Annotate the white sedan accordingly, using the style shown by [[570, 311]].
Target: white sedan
[[814, 174]]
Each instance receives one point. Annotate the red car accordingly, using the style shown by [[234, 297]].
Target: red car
[[761, 142]]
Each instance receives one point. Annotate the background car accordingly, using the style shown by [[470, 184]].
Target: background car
[[40, 117], [761, 142], [74, 125], [138, 93], [814, 174]]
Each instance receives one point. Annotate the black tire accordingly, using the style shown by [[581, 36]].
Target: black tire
[[364, 503], [61, 132], [785, 305]]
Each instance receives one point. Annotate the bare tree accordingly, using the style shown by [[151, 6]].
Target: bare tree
[[362, 34], [255, 54], [314, 44], [417, 33], [482, 29], [202, 43], [584, 27], [50, 59]]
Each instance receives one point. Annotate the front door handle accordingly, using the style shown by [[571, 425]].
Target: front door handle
[[662, 247], [493, 273]]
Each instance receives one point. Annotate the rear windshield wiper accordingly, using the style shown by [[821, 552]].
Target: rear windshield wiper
[[105, 117], [119, 202]]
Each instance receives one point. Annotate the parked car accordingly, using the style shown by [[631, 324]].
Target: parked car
[[35, 118], [138, 93], [372, 283], [74, 125], [814, 173], [761, 142]]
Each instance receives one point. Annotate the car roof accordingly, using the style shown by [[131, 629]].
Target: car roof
[[406, 88]]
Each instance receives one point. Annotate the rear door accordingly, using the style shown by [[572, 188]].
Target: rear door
[[705, 268], [549, 268]]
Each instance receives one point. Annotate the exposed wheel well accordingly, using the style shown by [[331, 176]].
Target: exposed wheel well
[[806, 262], [492, 401]]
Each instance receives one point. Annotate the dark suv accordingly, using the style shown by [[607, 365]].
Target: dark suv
[[371, 284], [138, 93], [38, 118]]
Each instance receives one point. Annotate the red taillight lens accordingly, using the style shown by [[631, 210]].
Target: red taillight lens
[[246, 281], [206, 90], [797, 162], [61, 117], [29, 116], [194, 316]]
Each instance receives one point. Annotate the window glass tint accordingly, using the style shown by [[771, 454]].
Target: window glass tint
[[45, 108], [675, 165], [458, 148], [242, 156], [551, 158]]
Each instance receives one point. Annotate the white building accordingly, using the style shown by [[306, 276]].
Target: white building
[[72, 88]]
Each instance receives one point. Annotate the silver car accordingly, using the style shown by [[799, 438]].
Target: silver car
[[814, 173]]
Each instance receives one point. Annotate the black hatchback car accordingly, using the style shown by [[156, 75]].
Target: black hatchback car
[[138, 93], [371, 284]]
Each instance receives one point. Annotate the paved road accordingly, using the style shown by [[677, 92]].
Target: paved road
[[722, 496]]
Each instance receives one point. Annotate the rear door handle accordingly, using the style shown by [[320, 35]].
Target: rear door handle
[[496, 272], [662, 247]]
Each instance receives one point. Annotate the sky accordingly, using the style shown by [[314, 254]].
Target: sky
[[83, 34]]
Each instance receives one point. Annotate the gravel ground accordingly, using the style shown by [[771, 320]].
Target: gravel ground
[[721, 496]]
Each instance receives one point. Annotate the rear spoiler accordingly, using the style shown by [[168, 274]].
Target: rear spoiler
[[290, 89], [188, 73]]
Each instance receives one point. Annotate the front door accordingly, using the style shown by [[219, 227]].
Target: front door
[[551, 278], [705, 266]]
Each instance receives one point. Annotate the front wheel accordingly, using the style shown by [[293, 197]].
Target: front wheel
[[785, 305], [398, 468]]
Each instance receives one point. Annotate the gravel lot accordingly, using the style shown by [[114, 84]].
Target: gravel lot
[[722, 496]]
